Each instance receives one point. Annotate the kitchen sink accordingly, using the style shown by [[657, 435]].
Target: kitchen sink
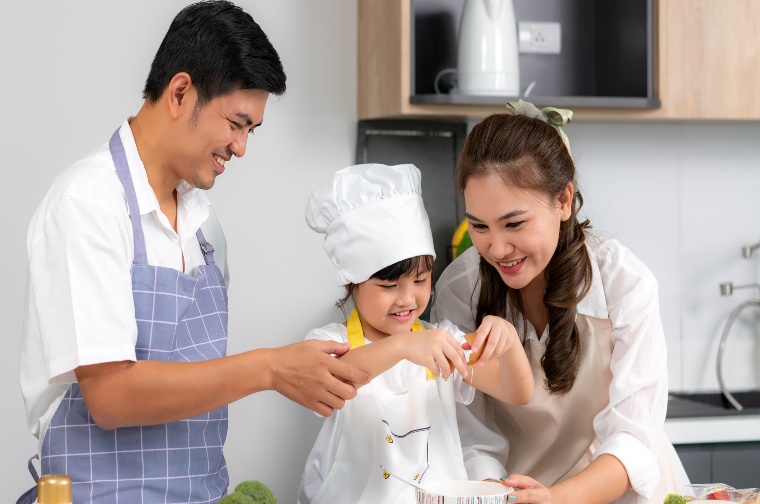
[[712, 404]]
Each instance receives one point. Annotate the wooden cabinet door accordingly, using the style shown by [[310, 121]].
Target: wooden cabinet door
[[710, 59]]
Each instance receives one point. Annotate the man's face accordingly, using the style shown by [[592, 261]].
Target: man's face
[[216, 132]]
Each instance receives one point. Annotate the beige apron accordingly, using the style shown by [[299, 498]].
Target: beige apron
[[552, 438]]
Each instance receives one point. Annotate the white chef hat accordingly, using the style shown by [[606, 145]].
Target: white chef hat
[[372, 216]]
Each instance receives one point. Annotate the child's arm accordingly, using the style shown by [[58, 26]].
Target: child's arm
[[507, 376], [433, 349]]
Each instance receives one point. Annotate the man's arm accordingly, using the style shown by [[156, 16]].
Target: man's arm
[[124, 394]]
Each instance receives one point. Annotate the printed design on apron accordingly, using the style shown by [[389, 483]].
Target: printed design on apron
[[180, 318], [356, 338], [392, 435]]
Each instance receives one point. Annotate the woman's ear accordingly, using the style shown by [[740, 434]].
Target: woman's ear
[[566, 202]]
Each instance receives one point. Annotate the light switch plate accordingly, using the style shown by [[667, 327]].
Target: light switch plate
[[545, 38]]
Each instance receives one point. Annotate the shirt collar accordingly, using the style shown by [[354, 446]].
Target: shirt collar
[[594, 304], [196, 201]]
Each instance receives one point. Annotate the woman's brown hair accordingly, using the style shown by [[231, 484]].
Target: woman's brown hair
[[529, 154]]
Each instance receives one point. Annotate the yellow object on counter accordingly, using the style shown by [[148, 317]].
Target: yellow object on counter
[[461, 240], [54, 489]]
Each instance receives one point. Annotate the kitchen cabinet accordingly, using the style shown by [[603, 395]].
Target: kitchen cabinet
[[734, 464], [716, 443], [706, 66]]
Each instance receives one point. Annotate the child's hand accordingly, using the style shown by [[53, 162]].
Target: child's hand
[[497, 334], [435, 349]]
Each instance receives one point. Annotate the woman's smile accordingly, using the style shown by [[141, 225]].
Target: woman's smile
[[511, 267]]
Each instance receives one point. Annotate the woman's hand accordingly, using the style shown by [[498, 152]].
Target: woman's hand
[[527, 490], [497, 334], [435, 349]]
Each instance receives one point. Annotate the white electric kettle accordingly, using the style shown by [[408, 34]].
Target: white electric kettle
[[488, 62]]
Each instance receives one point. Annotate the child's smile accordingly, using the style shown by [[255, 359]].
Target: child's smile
[[391, 307], [403, 316]]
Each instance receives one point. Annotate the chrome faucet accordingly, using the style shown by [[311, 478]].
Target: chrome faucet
[[726, 289], [747, 251]]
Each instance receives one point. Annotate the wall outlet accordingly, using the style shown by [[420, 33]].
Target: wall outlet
[[543, 38]]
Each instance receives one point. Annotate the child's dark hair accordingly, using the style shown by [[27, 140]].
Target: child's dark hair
[[412, 267]]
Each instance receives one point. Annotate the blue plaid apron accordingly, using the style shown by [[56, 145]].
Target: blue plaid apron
[[180, 318]]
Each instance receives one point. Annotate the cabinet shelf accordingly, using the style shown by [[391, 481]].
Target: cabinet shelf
[[554, 101], [705, 65]]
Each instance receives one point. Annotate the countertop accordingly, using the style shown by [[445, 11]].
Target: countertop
[[704, 418]]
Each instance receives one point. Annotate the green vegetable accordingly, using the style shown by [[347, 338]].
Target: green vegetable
[[257, 491], [675, 499], [237, 498]]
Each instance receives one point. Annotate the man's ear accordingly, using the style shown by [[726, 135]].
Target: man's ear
[[181, 96], [566, 202]]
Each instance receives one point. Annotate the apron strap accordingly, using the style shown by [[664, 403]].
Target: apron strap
[[122, 169], [356, 333], [206, 248], [32, 469]]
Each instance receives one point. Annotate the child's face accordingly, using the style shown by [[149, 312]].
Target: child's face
[[392, 307]]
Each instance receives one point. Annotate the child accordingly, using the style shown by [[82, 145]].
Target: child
[[378, 235]]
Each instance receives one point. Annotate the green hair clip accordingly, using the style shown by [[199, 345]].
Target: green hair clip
[[555, 116]]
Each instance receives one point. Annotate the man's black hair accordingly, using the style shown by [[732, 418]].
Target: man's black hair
[[222, 49]]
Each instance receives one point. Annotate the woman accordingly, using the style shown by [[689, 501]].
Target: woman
[[587, 312]]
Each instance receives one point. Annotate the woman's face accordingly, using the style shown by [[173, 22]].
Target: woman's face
[[515, 230]]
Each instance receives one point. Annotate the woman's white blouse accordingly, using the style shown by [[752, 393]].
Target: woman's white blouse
[[625, 292]]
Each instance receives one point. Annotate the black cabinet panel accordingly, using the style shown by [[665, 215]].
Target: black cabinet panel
[[697, 463], [735, 464]]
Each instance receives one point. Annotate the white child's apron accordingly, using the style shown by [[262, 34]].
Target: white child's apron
[[406, 433], [552, 434]]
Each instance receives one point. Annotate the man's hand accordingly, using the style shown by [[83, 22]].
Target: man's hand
[[308, 374]]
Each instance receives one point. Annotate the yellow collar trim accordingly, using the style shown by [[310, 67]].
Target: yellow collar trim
[[356, 333]]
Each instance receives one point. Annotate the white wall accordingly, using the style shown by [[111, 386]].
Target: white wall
[[682, 196], [73, 71]]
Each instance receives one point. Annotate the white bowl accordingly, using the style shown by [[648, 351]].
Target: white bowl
[[463, 492]]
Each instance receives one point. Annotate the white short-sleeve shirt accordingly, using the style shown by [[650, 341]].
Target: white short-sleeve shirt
[[79, 308]]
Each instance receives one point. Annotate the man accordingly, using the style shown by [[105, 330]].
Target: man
[[123, 366]]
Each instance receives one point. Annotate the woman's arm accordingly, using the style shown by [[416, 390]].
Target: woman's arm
[[604, 480], [434, 349], [508, 378]]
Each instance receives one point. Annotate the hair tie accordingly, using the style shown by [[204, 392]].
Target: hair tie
[[554, 116]]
